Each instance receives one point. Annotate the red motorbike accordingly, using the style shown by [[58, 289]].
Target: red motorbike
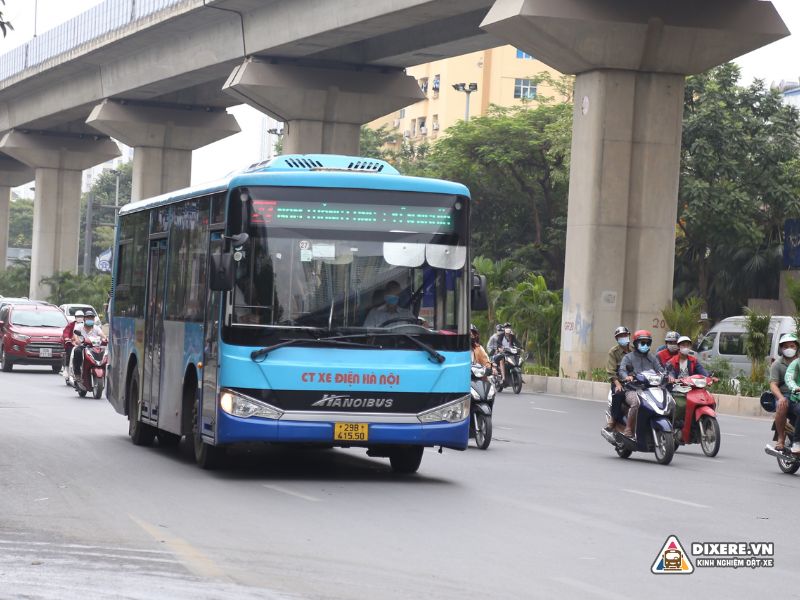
[[93, 367], [700, 423]]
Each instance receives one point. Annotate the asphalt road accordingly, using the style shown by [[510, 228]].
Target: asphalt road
[[548, 511]]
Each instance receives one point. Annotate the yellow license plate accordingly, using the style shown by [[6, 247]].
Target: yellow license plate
[[351, 432]]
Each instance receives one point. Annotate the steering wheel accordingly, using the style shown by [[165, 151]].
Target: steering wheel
[[414, 320]]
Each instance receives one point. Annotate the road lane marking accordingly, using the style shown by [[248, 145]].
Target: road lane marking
[[283, 490], [733, 434], [563, 412], [82, 546], [192, 558], [667, 498]]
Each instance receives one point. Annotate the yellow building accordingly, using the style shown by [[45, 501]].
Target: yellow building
[[503, 76]]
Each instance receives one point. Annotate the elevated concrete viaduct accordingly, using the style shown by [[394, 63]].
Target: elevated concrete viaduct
[[158, 75]]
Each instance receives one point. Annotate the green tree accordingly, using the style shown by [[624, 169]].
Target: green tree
[[756, 343], [684, 316], [516, 163], [69, 288], [740, 179], [104, 190], [15, 280], [535, 313], [20, 226], [5, 25]]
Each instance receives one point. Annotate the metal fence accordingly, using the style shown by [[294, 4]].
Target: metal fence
[[92, 24]]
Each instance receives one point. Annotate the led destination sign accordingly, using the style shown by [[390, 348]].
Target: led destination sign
[[365, 217]]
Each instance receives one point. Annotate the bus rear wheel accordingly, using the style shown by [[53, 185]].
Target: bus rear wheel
[[406, 460], [141, 434]]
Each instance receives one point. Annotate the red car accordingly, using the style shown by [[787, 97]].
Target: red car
[[30, 334]]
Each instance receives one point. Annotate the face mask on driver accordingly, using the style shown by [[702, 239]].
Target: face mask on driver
[[672, 348], [623, 341], [685, 351], [643, 348], [789, 352], [89, 323], [391, 299]]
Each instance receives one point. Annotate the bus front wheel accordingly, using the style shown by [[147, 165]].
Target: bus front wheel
[[205, 455], [406, 460]]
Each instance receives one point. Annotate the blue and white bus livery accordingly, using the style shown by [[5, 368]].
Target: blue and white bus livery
[[312, 299]]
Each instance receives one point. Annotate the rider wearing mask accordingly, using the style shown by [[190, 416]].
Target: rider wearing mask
[[503, 339], [83, 331], [780, 386], [68, 331], [615, 356], [670, 348], [683, 364], [633, 364]]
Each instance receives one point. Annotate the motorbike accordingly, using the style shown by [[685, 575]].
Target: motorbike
[[92, 377], [654, 430], [480, 412], [787, 462], [700, 423], [514, 359]]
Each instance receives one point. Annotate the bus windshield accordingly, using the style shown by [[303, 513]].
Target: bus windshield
[[350, 262]]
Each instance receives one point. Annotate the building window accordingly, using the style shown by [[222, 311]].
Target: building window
[[423, 130], [435, 123], [524, 88], [402, 113], [423, 85], [524, 55], [435, 85]]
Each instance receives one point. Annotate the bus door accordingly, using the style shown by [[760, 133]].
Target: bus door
[[216, 245], [154, 329]]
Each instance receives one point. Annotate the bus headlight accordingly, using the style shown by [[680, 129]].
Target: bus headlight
[[246, 407], [452, 412]]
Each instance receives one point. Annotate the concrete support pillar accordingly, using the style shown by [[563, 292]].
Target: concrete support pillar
[[12, 174], [5, 217], [58, 160], [323, 108], [163, 138], [630, 58]]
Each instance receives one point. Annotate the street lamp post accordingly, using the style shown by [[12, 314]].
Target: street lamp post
[[467, 89]]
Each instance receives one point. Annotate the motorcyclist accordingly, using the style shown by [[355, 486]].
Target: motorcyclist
[[633, 364], [84, 331], [479, 355], [615, 355], [670, 348], [780, 386], [67, 336], [683, 364], [503, 339]]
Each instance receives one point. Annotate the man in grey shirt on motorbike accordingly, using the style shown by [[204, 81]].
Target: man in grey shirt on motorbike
[[633, 364]]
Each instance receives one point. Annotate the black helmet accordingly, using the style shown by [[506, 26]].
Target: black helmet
[[89, 313], [498, 328], [473, 328], [508, 325], [621, 330]]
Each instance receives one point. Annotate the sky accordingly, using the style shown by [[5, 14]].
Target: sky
[[773, 63]]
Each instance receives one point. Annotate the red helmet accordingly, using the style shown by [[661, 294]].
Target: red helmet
[[642, 334]]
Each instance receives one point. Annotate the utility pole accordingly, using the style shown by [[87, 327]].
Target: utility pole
[[87, 234]]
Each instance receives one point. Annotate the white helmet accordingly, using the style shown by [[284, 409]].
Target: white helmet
[[684, 338]]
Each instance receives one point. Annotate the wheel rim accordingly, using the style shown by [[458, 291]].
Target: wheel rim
[[708, 438], [660, 446], [480, 430]]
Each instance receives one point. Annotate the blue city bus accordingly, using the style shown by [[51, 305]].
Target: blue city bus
[[313, 299]]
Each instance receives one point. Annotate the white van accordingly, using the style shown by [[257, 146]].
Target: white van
[[726, 340]]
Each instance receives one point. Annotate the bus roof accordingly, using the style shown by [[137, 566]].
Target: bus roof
[[310, 170]]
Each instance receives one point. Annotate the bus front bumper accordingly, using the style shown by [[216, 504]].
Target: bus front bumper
[[232, 430]]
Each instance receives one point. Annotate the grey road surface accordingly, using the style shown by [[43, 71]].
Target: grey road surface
[[548, 511]]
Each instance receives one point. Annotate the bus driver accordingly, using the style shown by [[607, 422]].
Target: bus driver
[[390, 309]]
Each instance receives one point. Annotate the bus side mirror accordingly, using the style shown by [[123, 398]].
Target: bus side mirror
[[223, 271], [479, 297]]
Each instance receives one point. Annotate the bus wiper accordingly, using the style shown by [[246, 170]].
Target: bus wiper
[[256, 354], [439, 358]]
